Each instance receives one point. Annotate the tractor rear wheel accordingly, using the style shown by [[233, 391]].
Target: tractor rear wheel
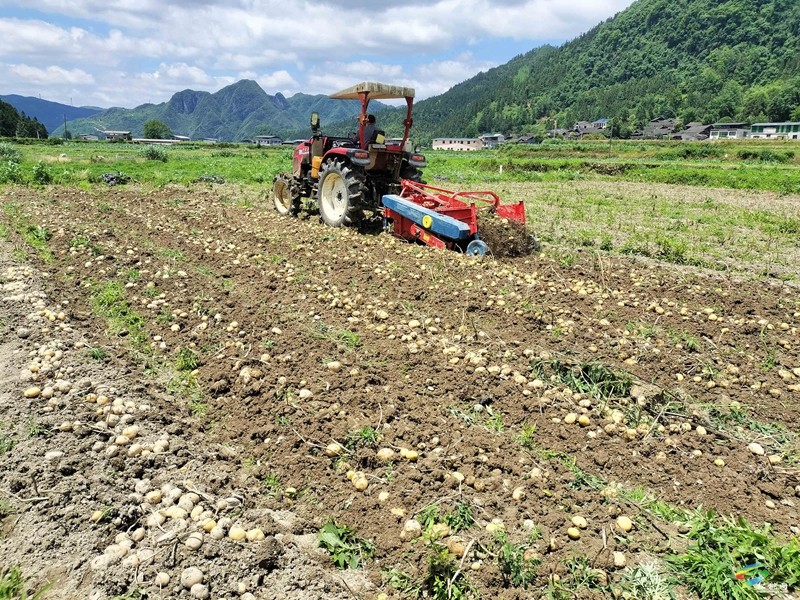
[[285, 196], [339, 194], [411, 173]]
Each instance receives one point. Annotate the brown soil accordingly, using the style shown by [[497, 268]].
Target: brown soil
[[307, 335], [504, 237]]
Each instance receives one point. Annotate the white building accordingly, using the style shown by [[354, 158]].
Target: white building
[[789, 131], [458, 144], [722, 131], [268, 140]]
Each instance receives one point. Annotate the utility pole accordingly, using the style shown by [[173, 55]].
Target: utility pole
[[65, 126]]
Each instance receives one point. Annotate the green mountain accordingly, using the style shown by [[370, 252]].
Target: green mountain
[[237, 112], [697, 60], [50, 114]]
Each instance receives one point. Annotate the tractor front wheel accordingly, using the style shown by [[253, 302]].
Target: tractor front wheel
[[285, 196], [339, 194]]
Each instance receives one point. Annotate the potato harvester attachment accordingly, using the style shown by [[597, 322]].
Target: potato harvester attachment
[[446, 219]]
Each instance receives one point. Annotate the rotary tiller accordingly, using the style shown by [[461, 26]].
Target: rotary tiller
[[446, 219]]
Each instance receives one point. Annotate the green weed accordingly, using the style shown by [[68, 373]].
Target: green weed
[[495, 422], [722, 546], [184, 385], [428, 516], [41, 174], [403, 583], [590, 378], [13, 586], [348, 550], [186, 359], [516, 569], [108, 301], [526, 436], [579, 575], [366, 437], [7, 442], [9, 153], [37, 429], [647, 501], [461, 518], [272, 483], [647, 581], [341, 337], [737, 423], [36, 236], [10, 172], [171, 254], [98, 354], [443, 579]]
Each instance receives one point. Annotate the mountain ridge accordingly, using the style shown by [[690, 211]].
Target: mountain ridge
[[50, 114], [236, 112]]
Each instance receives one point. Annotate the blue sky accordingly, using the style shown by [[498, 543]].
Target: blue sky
[[128, 52]]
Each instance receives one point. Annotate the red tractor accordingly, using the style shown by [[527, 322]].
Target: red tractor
[[350, 175], [364, 173]]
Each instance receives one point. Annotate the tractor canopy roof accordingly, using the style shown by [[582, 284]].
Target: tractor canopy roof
[[375, 91]]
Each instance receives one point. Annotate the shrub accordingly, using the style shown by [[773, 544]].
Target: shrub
[[10, 172], [41, 174], [154, 153], [9, 153], [767, 155]]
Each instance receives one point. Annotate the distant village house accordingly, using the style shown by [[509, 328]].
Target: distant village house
[[582, 128], [694, 132], [724, 131], [458, 144], [658, 128], [492, 140], [112, 136], [789, 131], [267, 140]]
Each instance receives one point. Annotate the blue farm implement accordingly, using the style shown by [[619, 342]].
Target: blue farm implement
[[447, 219]]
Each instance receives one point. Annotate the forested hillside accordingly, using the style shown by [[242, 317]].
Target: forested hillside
[[50, 114], [13, 123], [236, 112], [698, 60]]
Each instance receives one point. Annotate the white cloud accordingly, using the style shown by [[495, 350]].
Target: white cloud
[[179, 73], [437, 77], [52, 75], [271, 82], [287, 46]]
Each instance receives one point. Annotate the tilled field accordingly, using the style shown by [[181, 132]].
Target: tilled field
[[193, 386]]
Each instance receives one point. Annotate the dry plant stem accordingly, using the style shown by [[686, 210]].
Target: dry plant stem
[[25, 500], [312, 444], [460, 567]]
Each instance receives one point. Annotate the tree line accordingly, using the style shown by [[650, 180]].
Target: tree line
[[16, 124]]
